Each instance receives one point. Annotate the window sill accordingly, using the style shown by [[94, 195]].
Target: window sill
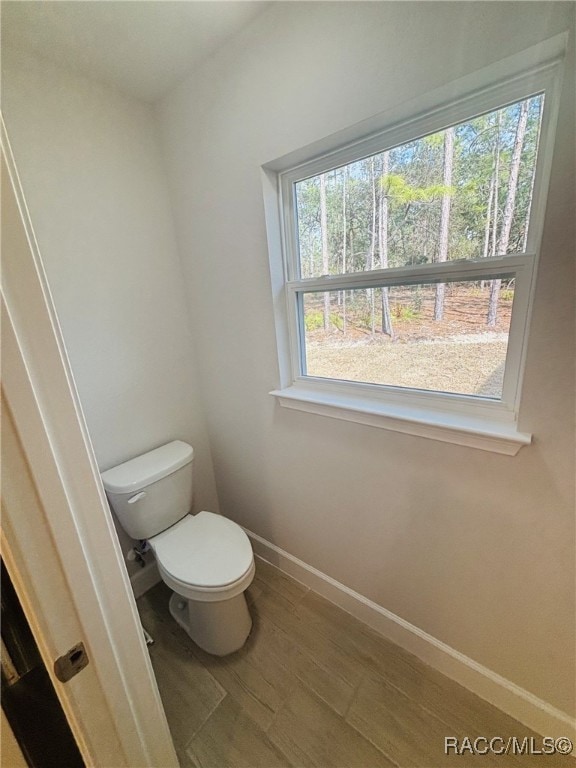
[[485, 433]]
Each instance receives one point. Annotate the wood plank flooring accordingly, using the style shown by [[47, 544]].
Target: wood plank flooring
[[314, 687]]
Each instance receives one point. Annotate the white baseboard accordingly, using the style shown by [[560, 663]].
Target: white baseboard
[[144, 579], [502, 693]]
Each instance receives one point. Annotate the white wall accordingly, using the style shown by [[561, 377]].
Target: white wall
[[477, 549], [95, 186]]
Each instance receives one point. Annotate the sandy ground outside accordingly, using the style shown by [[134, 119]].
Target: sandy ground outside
[[463, 364]]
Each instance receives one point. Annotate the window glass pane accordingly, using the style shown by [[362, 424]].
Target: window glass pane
[[390, 336], [462, 193]]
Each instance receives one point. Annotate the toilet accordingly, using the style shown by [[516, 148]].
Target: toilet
[[206, 559]]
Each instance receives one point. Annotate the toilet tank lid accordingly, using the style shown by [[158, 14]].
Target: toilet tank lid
[[146, 469]]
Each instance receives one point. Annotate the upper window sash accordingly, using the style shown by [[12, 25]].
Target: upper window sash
[[542, 79]]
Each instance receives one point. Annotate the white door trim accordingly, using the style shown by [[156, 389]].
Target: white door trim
[[58, 537]]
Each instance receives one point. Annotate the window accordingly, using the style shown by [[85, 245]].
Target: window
[[408, 264]]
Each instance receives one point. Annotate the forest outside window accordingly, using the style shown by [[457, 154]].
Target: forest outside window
[[410, 260], [456, 195]]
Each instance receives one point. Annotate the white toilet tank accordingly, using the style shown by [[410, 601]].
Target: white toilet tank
[[153, 491]]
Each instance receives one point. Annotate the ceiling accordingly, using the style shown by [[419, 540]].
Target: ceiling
[[141, 47]]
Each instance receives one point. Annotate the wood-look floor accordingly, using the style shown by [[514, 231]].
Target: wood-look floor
[[313, 687]]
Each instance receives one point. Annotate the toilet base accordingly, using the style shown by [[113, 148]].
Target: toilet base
[[218, 628]]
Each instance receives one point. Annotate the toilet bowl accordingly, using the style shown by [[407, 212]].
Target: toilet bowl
[[206, 559]]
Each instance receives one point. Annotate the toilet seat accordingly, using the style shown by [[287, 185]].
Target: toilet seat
[[204, 557]]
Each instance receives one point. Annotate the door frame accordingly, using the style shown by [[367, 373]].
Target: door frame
[[58, 540]]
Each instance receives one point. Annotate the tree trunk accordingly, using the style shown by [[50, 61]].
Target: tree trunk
[[324, 230], [371, 252], [383, 248], [529, 206], [485, 251], [344, 244], [508, 214], [488, 217], [444, 218], [496, 185]]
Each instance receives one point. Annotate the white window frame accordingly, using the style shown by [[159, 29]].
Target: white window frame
[[462, 419]]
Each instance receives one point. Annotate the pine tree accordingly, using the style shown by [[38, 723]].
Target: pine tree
[[325, 255], [508, 214], [444, 218]]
